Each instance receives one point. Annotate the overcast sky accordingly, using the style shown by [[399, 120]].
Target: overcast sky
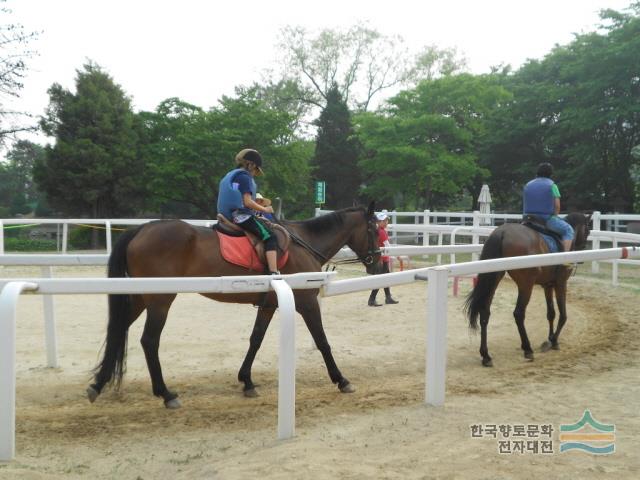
[[200, 50]]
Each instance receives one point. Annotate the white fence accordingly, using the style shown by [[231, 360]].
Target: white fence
[[607, 222], [435, 373]]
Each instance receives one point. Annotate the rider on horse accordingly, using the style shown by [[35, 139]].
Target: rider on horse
[[237, 202], [541, 197]]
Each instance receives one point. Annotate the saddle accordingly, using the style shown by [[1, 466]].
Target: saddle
[[245, 249], [538, 224]]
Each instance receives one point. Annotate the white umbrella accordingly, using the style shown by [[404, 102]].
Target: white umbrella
[[485, 204]]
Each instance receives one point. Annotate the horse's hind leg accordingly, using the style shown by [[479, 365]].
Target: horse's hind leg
[[263, 318], [157, 310], [307, 306], [551, 315], [561, 299], [131, 308], [524, 295]]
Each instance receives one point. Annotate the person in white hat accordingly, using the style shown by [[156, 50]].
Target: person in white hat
[[383, 241]]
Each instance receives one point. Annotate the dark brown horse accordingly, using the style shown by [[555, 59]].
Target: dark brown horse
[[176, 249], [510, 240]]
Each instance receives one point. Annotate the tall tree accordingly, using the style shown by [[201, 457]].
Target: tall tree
[[578, 108], [14, 53], [336, 156], [421, 152], [94, 168], [360, 62]]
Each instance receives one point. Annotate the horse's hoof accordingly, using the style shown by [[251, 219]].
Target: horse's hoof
[[487, 362], [528, 356], [173, 404], [347, 388], [546, 346], [250, 393], [92, 394]]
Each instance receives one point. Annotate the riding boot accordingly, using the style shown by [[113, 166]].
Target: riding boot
[[372, 299]]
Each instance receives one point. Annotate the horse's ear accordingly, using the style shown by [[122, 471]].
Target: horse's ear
[[372, 208]]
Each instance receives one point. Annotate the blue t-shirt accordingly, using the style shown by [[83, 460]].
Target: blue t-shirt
[[243, 182]]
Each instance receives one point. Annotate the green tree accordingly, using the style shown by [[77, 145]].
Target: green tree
[[578, 108], [189, 151], [336, 154], [421, 152], [18, 192], [94, 169]]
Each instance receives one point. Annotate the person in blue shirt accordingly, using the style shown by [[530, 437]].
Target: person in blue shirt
[[237, 202], [541, 197]]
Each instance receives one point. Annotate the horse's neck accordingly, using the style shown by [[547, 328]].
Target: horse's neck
[[329, 242]]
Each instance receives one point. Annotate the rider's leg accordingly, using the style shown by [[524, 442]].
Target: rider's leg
[[272, 261]]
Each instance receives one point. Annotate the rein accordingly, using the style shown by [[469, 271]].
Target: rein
[[303, 244], [367, 260]]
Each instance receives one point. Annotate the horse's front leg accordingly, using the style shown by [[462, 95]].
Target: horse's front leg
[[263, 318], [307, 306], [524, 295], [561, 299], [551, 315]]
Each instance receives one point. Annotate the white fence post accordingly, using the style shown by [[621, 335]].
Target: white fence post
[[595, 243], [107, 226], [286, 360], [475, 238], [50, 324], [65, 236], [425, 234], [8, 298], [436, 358]]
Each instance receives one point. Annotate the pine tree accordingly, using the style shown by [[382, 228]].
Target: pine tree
[[94, 168], [336, 154]]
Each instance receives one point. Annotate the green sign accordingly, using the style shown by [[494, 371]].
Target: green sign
[[320, 192]]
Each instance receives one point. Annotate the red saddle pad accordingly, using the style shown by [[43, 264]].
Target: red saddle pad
[[239, 251]]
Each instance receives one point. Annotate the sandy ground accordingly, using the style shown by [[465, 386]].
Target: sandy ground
[[383, 430]]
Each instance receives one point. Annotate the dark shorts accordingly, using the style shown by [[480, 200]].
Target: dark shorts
[[256, 227]]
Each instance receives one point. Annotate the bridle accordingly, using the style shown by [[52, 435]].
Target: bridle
[[372, 250]]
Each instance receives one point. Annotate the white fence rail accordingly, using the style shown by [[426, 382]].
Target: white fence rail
[[437, 277], [11, 290]]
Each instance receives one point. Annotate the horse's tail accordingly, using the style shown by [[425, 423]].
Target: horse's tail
[[479, 297], [114, 362]]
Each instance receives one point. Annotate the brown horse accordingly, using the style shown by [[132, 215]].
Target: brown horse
[[510, 240], [176, 249]]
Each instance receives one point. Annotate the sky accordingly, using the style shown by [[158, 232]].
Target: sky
[[200, 50]]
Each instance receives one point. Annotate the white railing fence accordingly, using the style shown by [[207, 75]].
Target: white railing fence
[[437, 277]]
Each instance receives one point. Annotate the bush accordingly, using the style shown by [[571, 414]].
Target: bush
[[29, 245]]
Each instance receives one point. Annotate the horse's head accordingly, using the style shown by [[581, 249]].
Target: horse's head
[[364, 239], [580, 224]]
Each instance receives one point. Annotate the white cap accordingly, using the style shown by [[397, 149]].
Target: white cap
[[382, 216]]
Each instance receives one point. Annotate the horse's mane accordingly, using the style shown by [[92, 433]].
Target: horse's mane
[[327, 222]]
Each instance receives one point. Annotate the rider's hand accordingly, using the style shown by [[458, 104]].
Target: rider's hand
[[268, 209]]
